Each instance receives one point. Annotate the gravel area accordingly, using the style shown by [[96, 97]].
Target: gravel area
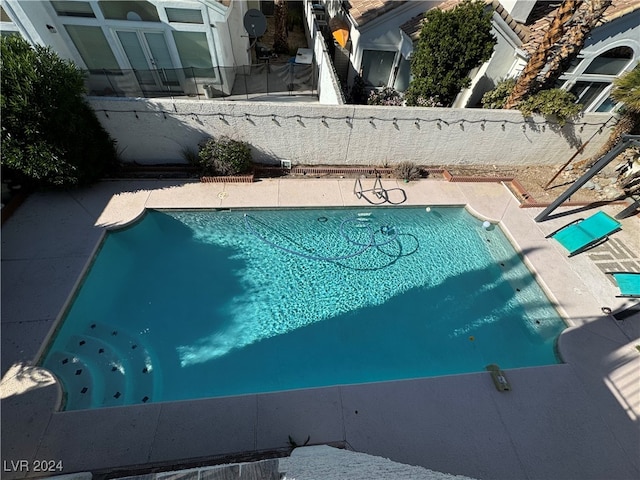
[[534, 178]]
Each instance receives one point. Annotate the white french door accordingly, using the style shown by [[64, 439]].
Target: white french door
[[149, 57]]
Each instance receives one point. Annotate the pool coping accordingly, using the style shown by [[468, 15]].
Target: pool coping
[[493, 201]]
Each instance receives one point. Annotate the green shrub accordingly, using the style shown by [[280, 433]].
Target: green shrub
[[407, 171], [224, 156], [555, 102], [497, 97], [50, 134]]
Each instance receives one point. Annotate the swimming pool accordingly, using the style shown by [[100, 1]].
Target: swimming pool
[[195, 304]]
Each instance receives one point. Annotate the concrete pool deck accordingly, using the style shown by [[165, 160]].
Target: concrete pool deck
[[576, 420]]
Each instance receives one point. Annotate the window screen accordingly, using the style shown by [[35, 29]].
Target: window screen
[[404, 76], [587, 92]]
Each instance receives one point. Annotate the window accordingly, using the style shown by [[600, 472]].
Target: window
[[73, 9], [606, 106], [127, 10], [4, 17], [573, 65], [587, 92], [403, 77], [193, 50], [376, 67], [590, 79], [9, 28], [184, 15], [611, 62], [93, 47]]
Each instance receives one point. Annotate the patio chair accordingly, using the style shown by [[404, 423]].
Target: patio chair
[[628, 283], [585, 233]]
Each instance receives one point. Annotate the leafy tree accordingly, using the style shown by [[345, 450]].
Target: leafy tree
[[50, 135], [451, 44]]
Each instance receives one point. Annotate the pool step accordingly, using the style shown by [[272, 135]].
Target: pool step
[[104, 367], [107, 365], [141, 385], [76, 377]]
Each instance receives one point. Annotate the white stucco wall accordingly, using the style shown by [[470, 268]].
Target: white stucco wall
[[296, 132], [33, 18], [329, 91]]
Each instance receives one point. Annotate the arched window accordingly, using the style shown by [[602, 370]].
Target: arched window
[[611, 62], [590, 79]]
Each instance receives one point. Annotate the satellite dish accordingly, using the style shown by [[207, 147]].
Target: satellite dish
[[255, 23]]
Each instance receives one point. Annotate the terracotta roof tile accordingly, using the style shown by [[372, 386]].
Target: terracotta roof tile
[[363, 11], [618, 8]]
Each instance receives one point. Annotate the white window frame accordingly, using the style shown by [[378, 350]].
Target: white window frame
[[578, 75], [11, 26], [394, 64]]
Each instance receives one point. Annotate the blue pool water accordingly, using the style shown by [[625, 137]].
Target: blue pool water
[[193, 304]]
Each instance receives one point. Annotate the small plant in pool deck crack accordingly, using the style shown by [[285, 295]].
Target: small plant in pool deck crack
[[294, 444], [224, 156]]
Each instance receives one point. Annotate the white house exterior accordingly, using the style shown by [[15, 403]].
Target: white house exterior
[[375, 48], [166, 47], [383, 34], [195, 47], [611, 49]]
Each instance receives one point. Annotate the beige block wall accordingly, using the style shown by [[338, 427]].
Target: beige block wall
[[156, 131]]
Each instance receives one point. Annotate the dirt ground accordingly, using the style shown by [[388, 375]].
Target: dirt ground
[[534, 179]]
